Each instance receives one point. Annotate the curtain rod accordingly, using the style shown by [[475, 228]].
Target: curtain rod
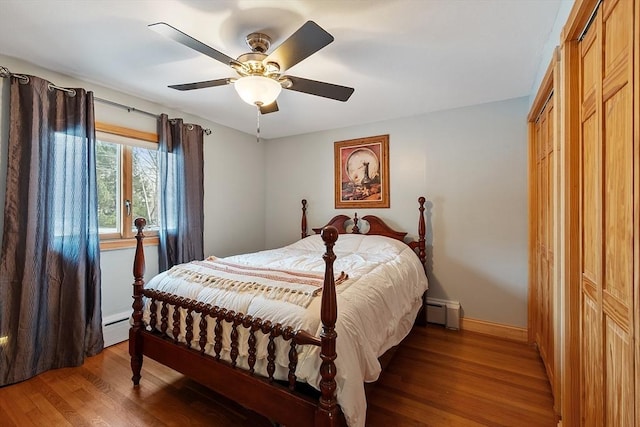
[[126, 107], [130, 109], [4, 72]]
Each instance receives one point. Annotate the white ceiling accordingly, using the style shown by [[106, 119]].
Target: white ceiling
[[403, 57]]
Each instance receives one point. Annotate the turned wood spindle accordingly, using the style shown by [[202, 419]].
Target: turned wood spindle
[[293, 358], [257, 324], [271, 355], [303, 234], [203, 330], [422, 233], [164, 317], [234, 338], [188, 335], [356, 229], [153, 319], [217, 331], [176, 321]]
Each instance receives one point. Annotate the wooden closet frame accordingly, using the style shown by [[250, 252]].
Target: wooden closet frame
[[568, 84], [547, 93]]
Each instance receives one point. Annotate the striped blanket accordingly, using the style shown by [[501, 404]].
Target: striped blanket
[[295, 287]]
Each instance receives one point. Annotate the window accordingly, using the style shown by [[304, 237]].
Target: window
[[67, 151], [128, 184]]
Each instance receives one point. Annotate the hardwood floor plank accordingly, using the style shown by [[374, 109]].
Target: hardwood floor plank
[[469, 406], [465, 387], [116, 398], [443, 373], [6, 414], [478, 378], [418, 410], [78, 411], [522, 364], [437, 378], [524, 375], [44, 406]]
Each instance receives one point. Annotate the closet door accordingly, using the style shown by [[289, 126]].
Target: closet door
[[544, 283], [607, 212]]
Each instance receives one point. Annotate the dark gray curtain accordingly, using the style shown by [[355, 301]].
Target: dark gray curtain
[[181, 192], [50, 314]]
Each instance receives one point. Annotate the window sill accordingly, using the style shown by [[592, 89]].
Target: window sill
[[115, 244]]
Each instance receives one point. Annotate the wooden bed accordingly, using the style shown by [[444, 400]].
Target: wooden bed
[[287, 403]]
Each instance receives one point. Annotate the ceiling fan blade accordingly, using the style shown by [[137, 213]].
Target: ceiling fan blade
[[271, 108], [306, 41], [201, 85], [186, 40], [314, 87]]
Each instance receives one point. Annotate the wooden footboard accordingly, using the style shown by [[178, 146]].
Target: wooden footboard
[[263, 395]]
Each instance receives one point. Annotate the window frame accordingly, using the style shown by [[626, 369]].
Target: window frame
[[126, 237]]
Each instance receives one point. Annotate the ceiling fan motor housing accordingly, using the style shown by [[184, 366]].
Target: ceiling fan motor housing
[[258, 42], [253, 65]]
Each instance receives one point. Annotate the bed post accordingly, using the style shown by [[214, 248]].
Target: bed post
[[327, 413], [304, 219], [422, 254], [421, 320], [135, 343]]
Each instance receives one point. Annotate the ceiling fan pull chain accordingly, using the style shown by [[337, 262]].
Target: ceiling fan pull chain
[[258, 123]]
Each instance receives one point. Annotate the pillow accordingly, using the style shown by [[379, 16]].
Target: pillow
[[310, 243], [352, 243], [349, 243], [380, 244]]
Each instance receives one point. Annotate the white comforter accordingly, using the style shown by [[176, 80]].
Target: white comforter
[[376, 309]]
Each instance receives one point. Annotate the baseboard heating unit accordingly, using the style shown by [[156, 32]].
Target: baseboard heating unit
[[443, 312], [115, 328]]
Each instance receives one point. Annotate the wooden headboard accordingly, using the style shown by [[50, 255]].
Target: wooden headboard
[[376, 227]]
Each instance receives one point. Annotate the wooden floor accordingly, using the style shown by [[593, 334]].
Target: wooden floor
[[440, 377], [436, 378]]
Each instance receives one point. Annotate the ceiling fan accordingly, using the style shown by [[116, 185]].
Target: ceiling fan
[[260, 75]]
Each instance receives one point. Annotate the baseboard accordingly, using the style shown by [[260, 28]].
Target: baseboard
[[115, 328], [499, 330]]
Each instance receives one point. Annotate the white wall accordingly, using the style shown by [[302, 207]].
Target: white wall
[[233, 175], [550, 45], [470, 164]]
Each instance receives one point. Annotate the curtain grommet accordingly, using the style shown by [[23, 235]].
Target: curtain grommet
[[69, 92]]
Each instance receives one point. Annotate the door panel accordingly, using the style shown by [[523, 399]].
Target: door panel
[[618, 196], [607, 211], [591, 218], [620, 382], [592, 363], [544, 280]]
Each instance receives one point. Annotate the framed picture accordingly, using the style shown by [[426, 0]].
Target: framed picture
[[362, 172]]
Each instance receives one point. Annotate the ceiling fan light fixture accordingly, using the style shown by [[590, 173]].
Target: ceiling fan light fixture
[[257, 90]]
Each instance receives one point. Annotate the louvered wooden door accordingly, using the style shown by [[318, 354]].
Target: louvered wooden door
[[607, 221]]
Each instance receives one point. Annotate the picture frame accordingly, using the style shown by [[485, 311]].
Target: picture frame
[[361, 168]]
